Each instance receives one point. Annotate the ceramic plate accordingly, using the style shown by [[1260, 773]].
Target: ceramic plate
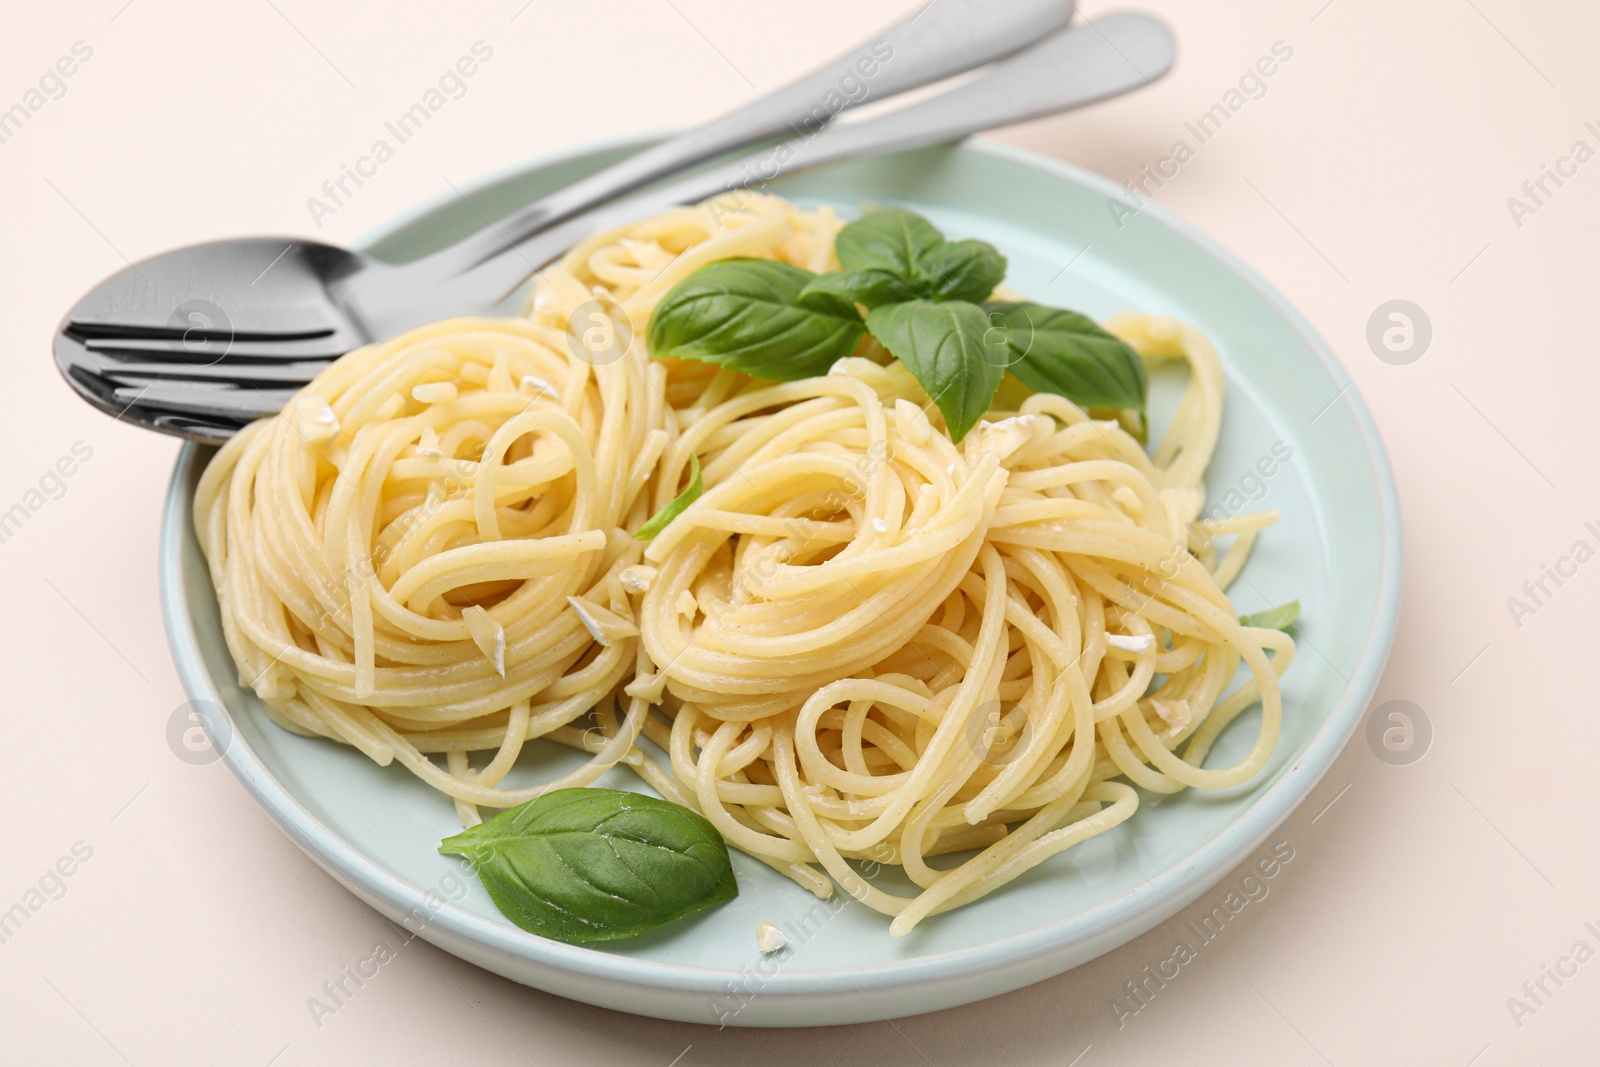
[[1337, 550]]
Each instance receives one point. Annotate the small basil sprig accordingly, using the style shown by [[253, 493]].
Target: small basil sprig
[[582, 865], [1279, 618], [943, 345], [676, 506], [924, 299]]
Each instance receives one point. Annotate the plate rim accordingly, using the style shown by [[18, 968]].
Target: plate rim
[[1170, 888]]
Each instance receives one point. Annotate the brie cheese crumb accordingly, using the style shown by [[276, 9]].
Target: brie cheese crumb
[[638, 578], [1175, 713], [539, 387], [1138, 645], [1005, 437], [604, 625], [647, 686], [316, 420], [880, 526], [488, 635], [770, 938]]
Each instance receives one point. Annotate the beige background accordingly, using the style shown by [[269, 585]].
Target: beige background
[[1377, 166]]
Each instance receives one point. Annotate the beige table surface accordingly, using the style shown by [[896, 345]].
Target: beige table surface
[[1376, 165]]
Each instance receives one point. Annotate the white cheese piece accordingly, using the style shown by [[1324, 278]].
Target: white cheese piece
[[880, 526], [769, 938], [647, 686], [1175, 713], [1005, 437], [488, 635], [539, 387], [604, 625], [428, 442], [316, 420], [1137, 645], [434, 392], [638, 578]]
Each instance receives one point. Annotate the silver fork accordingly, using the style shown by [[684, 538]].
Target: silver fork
[[1068, 69], [183, 331]]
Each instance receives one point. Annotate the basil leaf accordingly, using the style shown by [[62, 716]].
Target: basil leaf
[[582, 865], [873, 288], [678, 504], [1063, 352], [963, 270], [1278, 618], [945, 346], [743, 314], [893, 240]]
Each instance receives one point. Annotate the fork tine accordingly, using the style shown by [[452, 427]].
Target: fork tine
[[206, 399], [96, 328], [225, 371], [208, 350], [99, 364]]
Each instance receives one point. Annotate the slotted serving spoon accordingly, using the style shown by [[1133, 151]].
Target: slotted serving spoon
[[333, 300]]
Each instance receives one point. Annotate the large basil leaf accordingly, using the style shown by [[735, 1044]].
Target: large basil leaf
[[963, 270], [744, 314], [893, 240], [872, 288], [676, 506], [1063, 352], [583, 865], [944, 345]]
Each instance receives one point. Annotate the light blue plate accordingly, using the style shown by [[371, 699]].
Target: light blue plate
[[1337, 550]]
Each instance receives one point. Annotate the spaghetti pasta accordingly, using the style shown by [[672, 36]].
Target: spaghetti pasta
[[395, 553], [862, 642]]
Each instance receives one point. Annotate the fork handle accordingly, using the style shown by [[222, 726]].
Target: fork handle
[[943, 38]]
